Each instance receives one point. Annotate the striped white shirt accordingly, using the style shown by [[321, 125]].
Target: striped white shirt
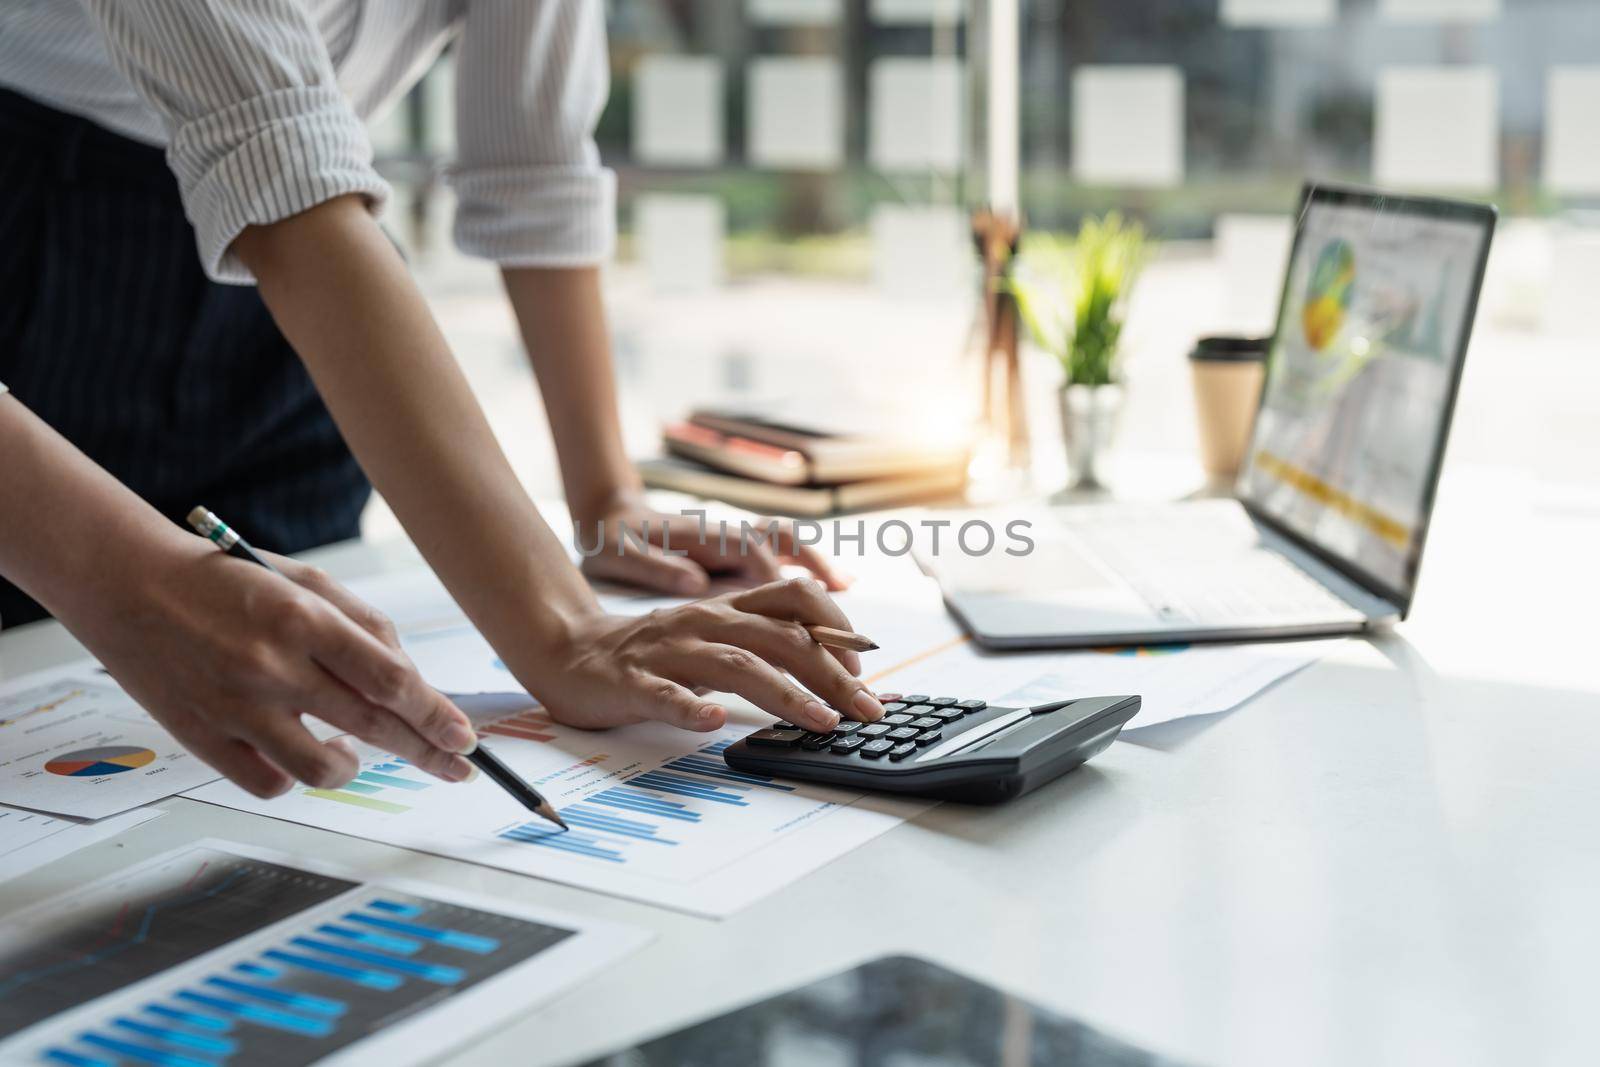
[[260, 105]]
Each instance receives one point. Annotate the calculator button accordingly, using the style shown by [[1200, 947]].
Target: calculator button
[[928, 737], [813, 742], [927, 722], [774, 738], [973, 705], [893, 706], [916, 698], [877, 729], [947, 714], [874, 749], [941, 702], [786, 726], [845, 745], [901, 751], [896, 720], [902, 733], [847, 727]]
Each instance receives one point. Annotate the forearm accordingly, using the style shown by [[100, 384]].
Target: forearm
[[345, 301], [70, 534], [562, 317]]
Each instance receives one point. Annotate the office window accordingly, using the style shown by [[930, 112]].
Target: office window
[[795, 179]]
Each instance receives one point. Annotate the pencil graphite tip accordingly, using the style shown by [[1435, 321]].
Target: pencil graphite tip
[[554, 816]]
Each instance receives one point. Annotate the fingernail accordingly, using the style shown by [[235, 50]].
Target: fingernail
[[460, 738], [827, 718], [867, 706], [472, 773], [707, 712]]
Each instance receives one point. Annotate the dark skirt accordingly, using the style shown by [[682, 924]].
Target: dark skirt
[[110, 332]]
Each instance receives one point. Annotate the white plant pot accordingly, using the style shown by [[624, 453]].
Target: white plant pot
[[1089, 417]]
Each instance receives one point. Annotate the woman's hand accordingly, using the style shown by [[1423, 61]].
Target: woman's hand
[[228, 656], [617, 670], [642, 559]]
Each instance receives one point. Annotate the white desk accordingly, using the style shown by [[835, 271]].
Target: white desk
[[1390, 858]]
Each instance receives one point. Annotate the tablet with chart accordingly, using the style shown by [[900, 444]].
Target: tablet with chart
[[75, 744], [215, 952]]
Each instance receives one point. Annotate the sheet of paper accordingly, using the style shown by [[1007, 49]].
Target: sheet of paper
[[1175, 682], [681, 240], [656, 815], [1127, 125], [1438, 10], [921, 251], [677, 111], [20, 828], [1279, 12], [912, 12], [29, 840], [229, 952], [1437, 128], [1571, 134], [796, 119], [915, 115], [794, 12], [72, 743]]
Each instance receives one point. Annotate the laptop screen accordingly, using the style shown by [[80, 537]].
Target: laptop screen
[[1362, 375]]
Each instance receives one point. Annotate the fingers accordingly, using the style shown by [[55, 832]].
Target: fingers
[[802, 600], [385, 677], [238, 761], [755, 562], [285, 741], [810, 558], [788, 645], [737, 670], [340, 706], [683, 707], [650, 568]]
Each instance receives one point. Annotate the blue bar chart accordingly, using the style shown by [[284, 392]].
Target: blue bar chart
[[307, 987], [643, 810], [653, 813]]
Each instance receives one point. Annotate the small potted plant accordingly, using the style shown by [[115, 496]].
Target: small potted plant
[[1072, 295]]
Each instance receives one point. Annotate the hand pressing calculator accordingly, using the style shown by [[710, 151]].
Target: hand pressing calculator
[[941, 747]]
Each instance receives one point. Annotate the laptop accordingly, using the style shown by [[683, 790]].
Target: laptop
[[1324, 531]]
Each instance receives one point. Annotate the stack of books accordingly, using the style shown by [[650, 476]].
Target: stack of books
[[779, 467]]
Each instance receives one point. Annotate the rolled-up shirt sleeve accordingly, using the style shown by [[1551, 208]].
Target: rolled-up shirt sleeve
[[258, 128], [531, 80]]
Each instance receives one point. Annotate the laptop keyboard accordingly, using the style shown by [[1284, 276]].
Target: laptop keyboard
[[1212, 569]]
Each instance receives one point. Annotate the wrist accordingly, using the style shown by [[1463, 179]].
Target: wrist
[[614, 498], [155, 563]]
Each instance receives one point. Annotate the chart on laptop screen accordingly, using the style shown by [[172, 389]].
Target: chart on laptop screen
[[1360, 377]]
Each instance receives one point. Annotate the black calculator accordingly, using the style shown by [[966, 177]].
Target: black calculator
[[941, 747]]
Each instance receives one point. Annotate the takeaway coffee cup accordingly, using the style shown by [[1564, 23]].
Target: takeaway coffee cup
[[1227, 385]]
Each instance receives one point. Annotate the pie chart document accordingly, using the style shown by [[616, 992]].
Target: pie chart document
[[72, 743]]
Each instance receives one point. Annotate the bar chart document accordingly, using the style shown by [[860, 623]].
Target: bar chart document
[[655, 813], [72, 743], [218, 953]]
